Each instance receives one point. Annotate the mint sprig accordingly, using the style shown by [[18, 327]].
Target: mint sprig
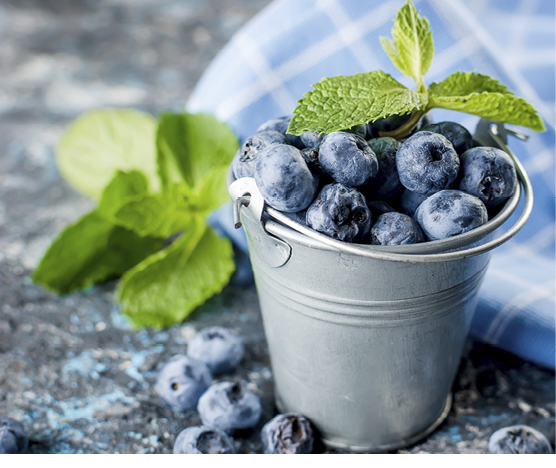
[[345, 101], [156, 180]]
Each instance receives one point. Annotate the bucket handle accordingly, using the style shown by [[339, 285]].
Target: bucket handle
[[245, 192]]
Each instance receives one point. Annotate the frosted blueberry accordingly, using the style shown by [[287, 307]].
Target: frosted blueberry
[[312, 139], [386, 183], [518, 439], [182, 381], [13, 439], [287, 433], [409, 201], [229, 406], [427, 163], [458, 135], [243, 164], [450, 212], [281, 125], [396, 229], [489, 174], [218, 348], [203, 440]]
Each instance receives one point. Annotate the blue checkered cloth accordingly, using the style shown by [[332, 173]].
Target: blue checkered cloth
[[291, 44]]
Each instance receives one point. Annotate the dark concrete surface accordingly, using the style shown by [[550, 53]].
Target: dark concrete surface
[[71, 370]]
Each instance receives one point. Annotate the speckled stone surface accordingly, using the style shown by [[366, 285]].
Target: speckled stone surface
[[71, 370]]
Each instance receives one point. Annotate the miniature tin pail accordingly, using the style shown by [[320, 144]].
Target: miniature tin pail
[[365, 341]]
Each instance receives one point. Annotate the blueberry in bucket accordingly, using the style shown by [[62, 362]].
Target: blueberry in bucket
[[489, 174], [340, 212], [182, 381], [450, 212], [396, 229], [203, 440], [457, 134], [243, 164], [283, 178], [427, 163], [218, 348]]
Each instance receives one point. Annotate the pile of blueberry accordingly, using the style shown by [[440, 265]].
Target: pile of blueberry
[[355, 186], [185, 382]]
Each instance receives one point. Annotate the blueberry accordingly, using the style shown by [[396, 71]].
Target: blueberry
[[359, 130], [311, 157], [218, 348], [450, 212], [298, 216], [203, 439], [458, 135], [378, 207], [13, 438], [340, 212], [281, 125], [312, 139], [396, 229], [489, 174], [348, 159], [182, 381], [287, 433], [518, 439], [409, 201], [427, 163], [283, 178], [386, 183], [229, 406], [243, 164]]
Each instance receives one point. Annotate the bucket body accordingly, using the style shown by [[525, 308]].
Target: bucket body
[[366, 349]]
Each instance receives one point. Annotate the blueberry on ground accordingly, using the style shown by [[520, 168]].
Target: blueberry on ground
[[409, 201], [348, 159], [243, 164], [182, 381], [386, 183], [13, 439], [283, 178], [281, 125], [427, 163], [489, 174], [518, 439], [340, 212], [218, 348], [229, 406], [396, 229], [450, 212], [457, 134], [203, 440], [287, 433]]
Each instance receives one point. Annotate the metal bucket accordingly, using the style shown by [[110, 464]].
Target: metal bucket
[[365, 341]]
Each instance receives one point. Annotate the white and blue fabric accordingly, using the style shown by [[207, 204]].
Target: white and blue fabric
[[272, 62]]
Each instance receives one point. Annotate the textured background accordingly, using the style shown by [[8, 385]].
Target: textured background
[[70, 368]]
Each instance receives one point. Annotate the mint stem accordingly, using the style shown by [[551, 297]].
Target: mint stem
[[404, 129]]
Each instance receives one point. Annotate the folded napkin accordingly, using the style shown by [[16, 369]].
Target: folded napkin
[[272, 61]]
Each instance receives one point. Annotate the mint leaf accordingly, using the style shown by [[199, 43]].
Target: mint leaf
[[412, 50], [94, 249], [503, 108], [102, 141], [123, 186], [344, 101], [158, 215], [462, 84], [211, 192], [190, 145], [165, 288], [90, 251]]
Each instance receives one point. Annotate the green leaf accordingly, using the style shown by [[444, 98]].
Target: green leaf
[[94, 249], [462, 84], [165, 288], [158, 215], [191, 145], [211, 192], [102, 141], [412, 50], [503, 108], [90, 251], [123, 186], [344, 101]]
